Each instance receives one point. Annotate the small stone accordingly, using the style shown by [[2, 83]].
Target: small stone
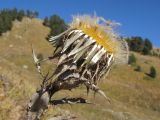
[[10, 45], [25, 66]]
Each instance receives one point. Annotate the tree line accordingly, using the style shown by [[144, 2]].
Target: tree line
[[56, 24], [138, 44], [7, 16]]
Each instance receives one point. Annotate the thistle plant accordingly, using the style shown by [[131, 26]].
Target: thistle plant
[[86, 51]]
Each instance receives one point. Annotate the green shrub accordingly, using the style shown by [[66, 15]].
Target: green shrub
[[40, 56], [138, 68], [56, 24], [46, 22], [145, 51], [132, 59], [152, 72], [20, 15]]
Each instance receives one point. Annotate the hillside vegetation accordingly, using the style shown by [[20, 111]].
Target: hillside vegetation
[[134, 95]]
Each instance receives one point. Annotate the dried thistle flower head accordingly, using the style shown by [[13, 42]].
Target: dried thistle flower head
[[103, 33], [87, 51]]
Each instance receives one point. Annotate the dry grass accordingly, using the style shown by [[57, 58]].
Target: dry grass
[[135, 96]]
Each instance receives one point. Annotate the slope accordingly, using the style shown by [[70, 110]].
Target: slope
[[135, 96]]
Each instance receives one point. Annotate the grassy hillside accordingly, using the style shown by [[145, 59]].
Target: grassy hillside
[[135, 96]]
